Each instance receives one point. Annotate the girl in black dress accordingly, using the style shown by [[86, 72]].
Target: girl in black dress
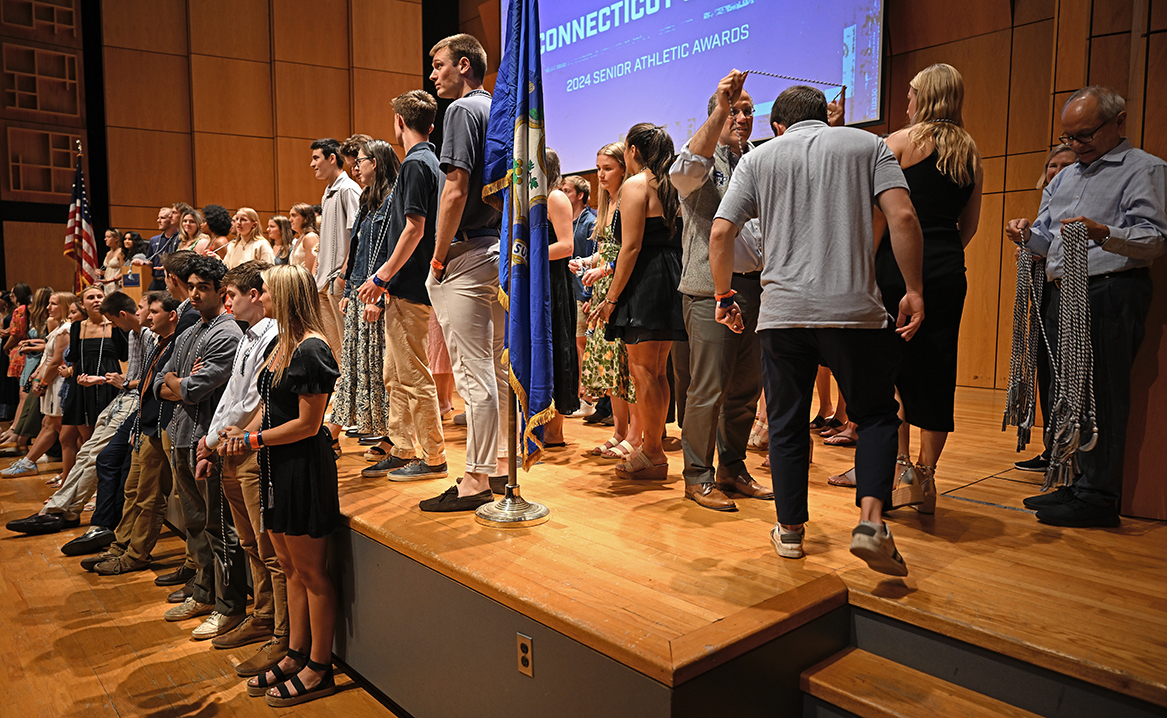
[[96, 348], [564, 353], [298, 486], [643, 306], [943, 170]]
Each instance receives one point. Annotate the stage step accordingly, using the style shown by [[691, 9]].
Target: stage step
[[869, 686]]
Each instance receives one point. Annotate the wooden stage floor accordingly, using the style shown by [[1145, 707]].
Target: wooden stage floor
[[637, 573]]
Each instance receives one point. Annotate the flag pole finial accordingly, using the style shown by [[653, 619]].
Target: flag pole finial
[[79, 152]]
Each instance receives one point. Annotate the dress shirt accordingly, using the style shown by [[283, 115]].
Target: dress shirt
[[240, 399], [1126, 190], [339, 208]]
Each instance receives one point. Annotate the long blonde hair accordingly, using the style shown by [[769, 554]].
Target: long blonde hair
[[296, 306], [615, 150], [939, 120]]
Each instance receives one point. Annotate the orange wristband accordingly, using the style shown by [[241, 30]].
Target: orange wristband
[[437, 265]]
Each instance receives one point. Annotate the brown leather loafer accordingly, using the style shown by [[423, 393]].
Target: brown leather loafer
[[710, 497], [742, 484], [246, 633], [268, 656]]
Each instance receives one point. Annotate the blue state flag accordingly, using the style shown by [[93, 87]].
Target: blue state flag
[[515, 181]]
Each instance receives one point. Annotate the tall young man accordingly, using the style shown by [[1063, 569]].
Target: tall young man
[[149, 480], [342, 198], [220, 584], [113, 461], [819, 300], [463, 282], [415, 423], [240, 475]]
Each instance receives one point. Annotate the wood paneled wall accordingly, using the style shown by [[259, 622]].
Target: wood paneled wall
[[216, 101]]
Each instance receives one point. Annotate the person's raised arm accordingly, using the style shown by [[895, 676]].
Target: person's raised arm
[[907, 243], [559, 215], [450, 206], [692, 166]]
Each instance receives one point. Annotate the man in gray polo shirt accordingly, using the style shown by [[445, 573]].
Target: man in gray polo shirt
[[463, 283], [813, 189], [723, 367]]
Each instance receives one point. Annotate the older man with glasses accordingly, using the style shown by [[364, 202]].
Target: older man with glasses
[[1120, 194]]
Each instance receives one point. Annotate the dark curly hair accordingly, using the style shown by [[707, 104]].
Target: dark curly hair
[[218, 219]]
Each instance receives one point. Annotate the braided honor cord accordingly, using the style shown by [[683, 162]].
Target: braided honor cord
[[1072, 407], [1021, 397]]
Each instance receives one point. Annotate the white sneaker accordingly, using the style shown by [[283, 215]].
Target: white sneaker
[[873, 543], [216, 624], [585, 409], [20, 467], [788, 544]]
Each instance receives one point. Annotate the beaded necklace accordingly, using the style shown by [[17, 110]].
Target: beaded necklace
[[199, 342], [742, 145]]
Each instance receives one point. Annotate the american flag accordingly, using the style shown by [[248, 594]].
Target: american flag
[[80, 244]]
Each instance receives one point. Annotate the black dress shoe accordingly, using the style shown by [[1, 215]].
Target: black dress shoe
[[449, 500], [38, 524], [1077, 513], [1038, 463], [177, 577], [182, 594], [371, 440], [97, 538], [1062, 495]]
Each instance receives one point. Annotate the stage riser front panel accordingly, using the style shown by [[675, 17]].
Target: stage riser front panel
[[764, 682], [1021, 684], [439, 649]]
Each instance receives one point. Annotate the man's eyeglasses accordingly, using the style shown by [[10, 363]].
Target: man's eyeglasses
[[747, 111], [1083, 139]]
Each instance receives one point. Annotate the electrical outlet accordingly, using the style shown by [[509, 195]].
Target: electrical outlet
[[526, 655]]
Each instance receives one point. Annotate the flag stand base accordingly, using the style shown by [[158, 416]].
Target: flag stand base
[[512, 511]]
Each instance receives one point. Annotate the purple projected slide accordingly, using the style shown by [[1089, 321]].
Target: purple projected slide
[[610, 64]]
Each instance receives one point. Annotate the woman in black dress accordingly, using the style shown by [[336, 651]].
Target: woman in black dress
[[564, 353], [96, 348], [643, 306], [943, 170], [298, 486]]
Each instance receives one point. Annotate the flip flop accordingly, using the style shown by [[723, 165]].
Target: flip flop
[[840, 440], [641, 467], [832, 427], [818, 423], [845, 479]]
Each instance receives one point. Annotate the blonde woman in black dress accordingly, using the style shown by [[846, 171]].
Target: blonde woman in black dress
[[298, 483]]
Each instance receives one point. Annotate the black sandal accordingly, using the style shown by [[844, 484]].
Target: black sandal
[[818, 423], [326, 687], [831, 425], [262, 685]]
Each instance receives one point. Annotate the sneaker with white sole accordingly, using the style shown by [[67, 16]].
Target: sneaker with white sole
[[873, 543], [20, 467], [190, 608], [418, 469], [788, 544], [216, 624]]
